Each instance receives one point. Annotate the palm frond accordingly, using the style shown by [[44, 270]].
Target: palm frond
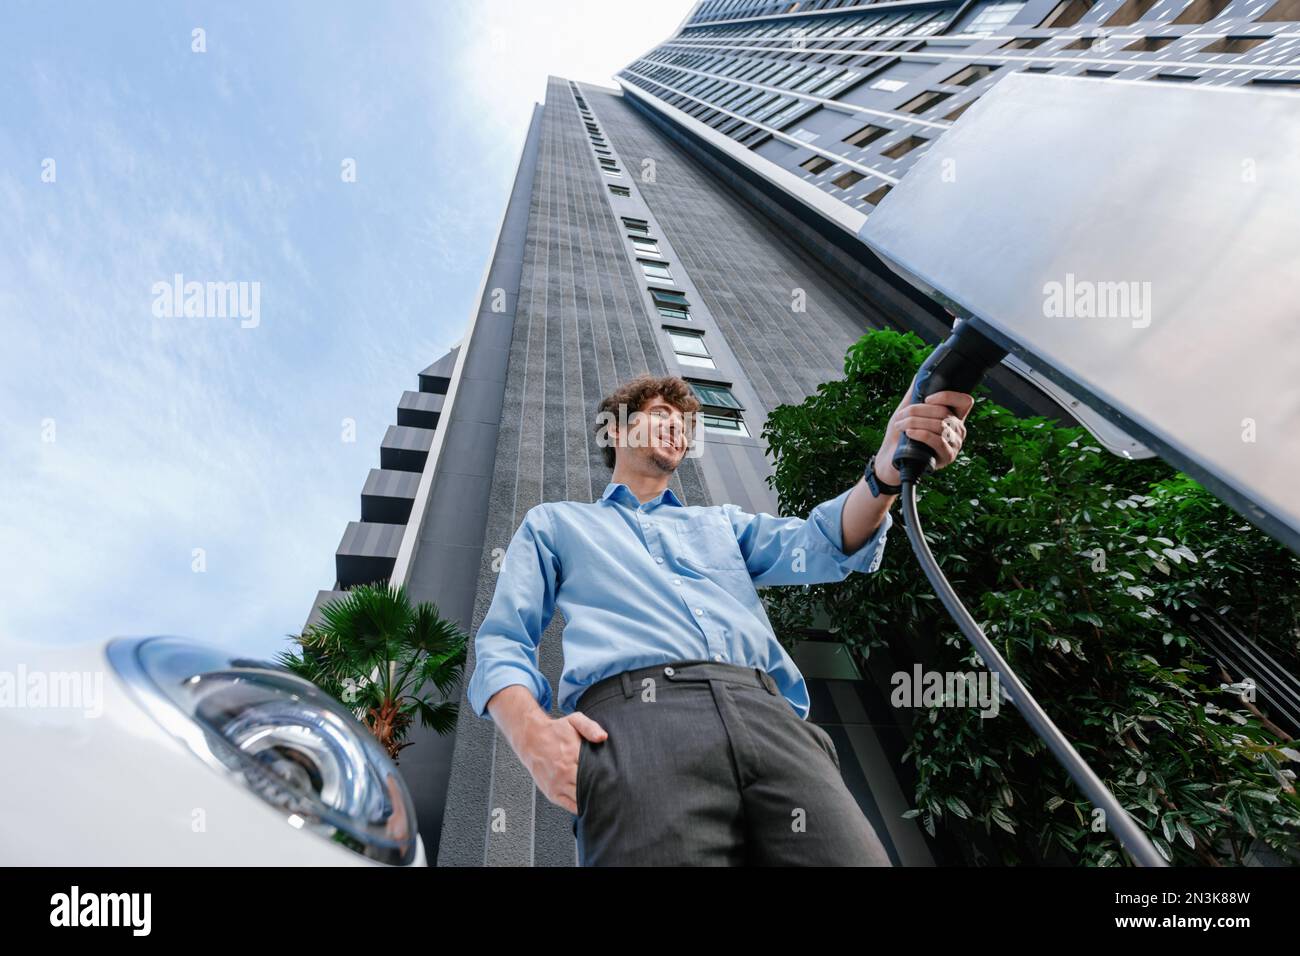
[[385, 660]]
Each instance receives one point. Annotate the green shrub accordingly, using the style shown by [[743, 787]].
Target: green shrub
[[1078, 565]]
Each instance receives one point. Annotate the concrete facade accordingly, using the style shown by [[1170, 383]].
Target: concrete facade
[[565, 315]]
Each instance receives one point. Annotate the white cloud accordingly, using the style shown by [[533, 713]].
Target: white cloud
[[174, 434]]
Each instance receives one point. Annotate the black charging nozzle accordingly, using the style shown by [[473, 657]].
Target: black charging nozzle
[[958, 365]]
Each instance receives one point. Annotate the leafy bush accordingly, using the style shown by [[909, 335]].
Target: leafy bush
[[1078, 565]]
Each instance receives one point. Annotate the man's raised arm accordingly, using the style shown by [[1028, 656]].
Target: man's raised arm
[[781, 551]]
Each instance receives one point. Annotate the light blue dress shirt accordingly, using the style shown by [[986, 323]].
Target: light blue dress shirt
[[641, 584]]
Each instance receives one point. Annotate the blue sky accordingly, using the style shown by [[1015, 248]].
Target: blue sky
[[130, 440]]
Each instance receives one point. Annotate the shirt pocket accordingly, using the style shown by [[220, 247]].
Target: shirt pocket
[[710, 542]]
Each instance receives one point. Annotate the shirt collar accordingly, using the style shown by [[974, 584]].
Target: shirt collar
[[619, 489]]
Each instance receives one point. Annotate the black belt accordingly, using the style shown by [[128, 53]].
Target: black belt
[[628, 683]]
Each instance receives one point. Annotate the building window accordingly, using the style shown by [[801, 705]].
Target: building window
[[905, 25], [1131, 12], [620, 190], [866, 135], [1150, 44], [970, 74], [1235, 44], [714, 396], [654, 269], [671, 305], [815, 164], [875, 196], [690, 349], [1066, 13], [645, 247], [847, 180], [903, 147], [991, 17], [613, 174], [724, 423], [1203, 11], [919, 104], [638, 226]]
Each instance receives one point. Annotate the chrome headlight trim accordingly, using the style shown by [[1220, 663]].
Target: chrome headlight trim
[[278, 736]]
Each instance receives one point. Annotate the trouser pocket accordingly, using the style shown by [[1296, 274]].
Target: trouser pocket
[[828, 744]]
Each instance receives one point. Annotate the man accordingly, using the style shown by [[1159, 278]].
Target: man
[[684, 739]]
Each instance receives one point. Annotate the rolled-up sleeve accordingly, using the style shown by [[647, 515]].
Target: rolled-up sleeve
[[780, 551], [506, 643]]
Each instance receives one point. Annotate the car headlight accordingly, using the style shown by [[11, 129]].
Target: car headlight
[[279, 735]]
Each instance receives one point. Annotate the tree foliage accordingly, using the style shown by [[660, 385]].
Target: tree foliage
[[383, 657], [1080, 566]]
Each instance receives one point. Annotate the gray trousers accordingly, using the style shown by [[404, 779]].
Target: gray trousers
[[706, 764]]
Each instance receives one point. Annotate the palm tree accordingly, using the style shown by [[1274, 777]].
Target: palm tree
[[382, 657]]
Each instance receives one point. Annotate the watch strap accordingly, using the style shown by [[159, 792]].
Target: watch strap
[[877, 486]]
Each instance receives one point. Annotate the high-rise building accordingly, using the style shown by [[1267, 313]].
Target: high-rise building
[[848, 96], [701, 221]]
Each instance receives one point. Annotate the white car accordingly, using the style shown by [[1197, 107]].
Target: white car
[[162, 751]]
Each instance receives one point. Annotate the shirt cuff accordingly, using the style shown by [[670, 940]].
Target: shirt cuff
[[502, 674], [828, 517]]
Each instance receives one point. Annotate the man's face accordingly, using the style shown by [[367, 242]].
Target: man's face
[[658, 433]]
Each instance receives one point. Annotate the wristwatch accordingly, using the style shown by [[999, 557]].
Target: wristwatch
[[877, 486]]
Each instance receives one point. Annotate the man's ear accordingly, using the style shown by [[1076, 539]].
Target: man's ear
[[618, 431]]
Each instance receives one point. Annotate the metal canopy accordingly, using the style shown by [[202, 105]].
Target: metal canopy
[[1138, 243]]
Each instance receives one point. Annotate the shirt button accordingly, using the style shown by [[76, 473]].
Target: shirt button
[[699, 611], [717, 657], [659, 560], [677, 580], [668, 672]]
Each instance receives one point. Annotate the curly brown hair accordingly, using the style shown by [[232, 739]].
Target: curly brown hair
[[636, 394]]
